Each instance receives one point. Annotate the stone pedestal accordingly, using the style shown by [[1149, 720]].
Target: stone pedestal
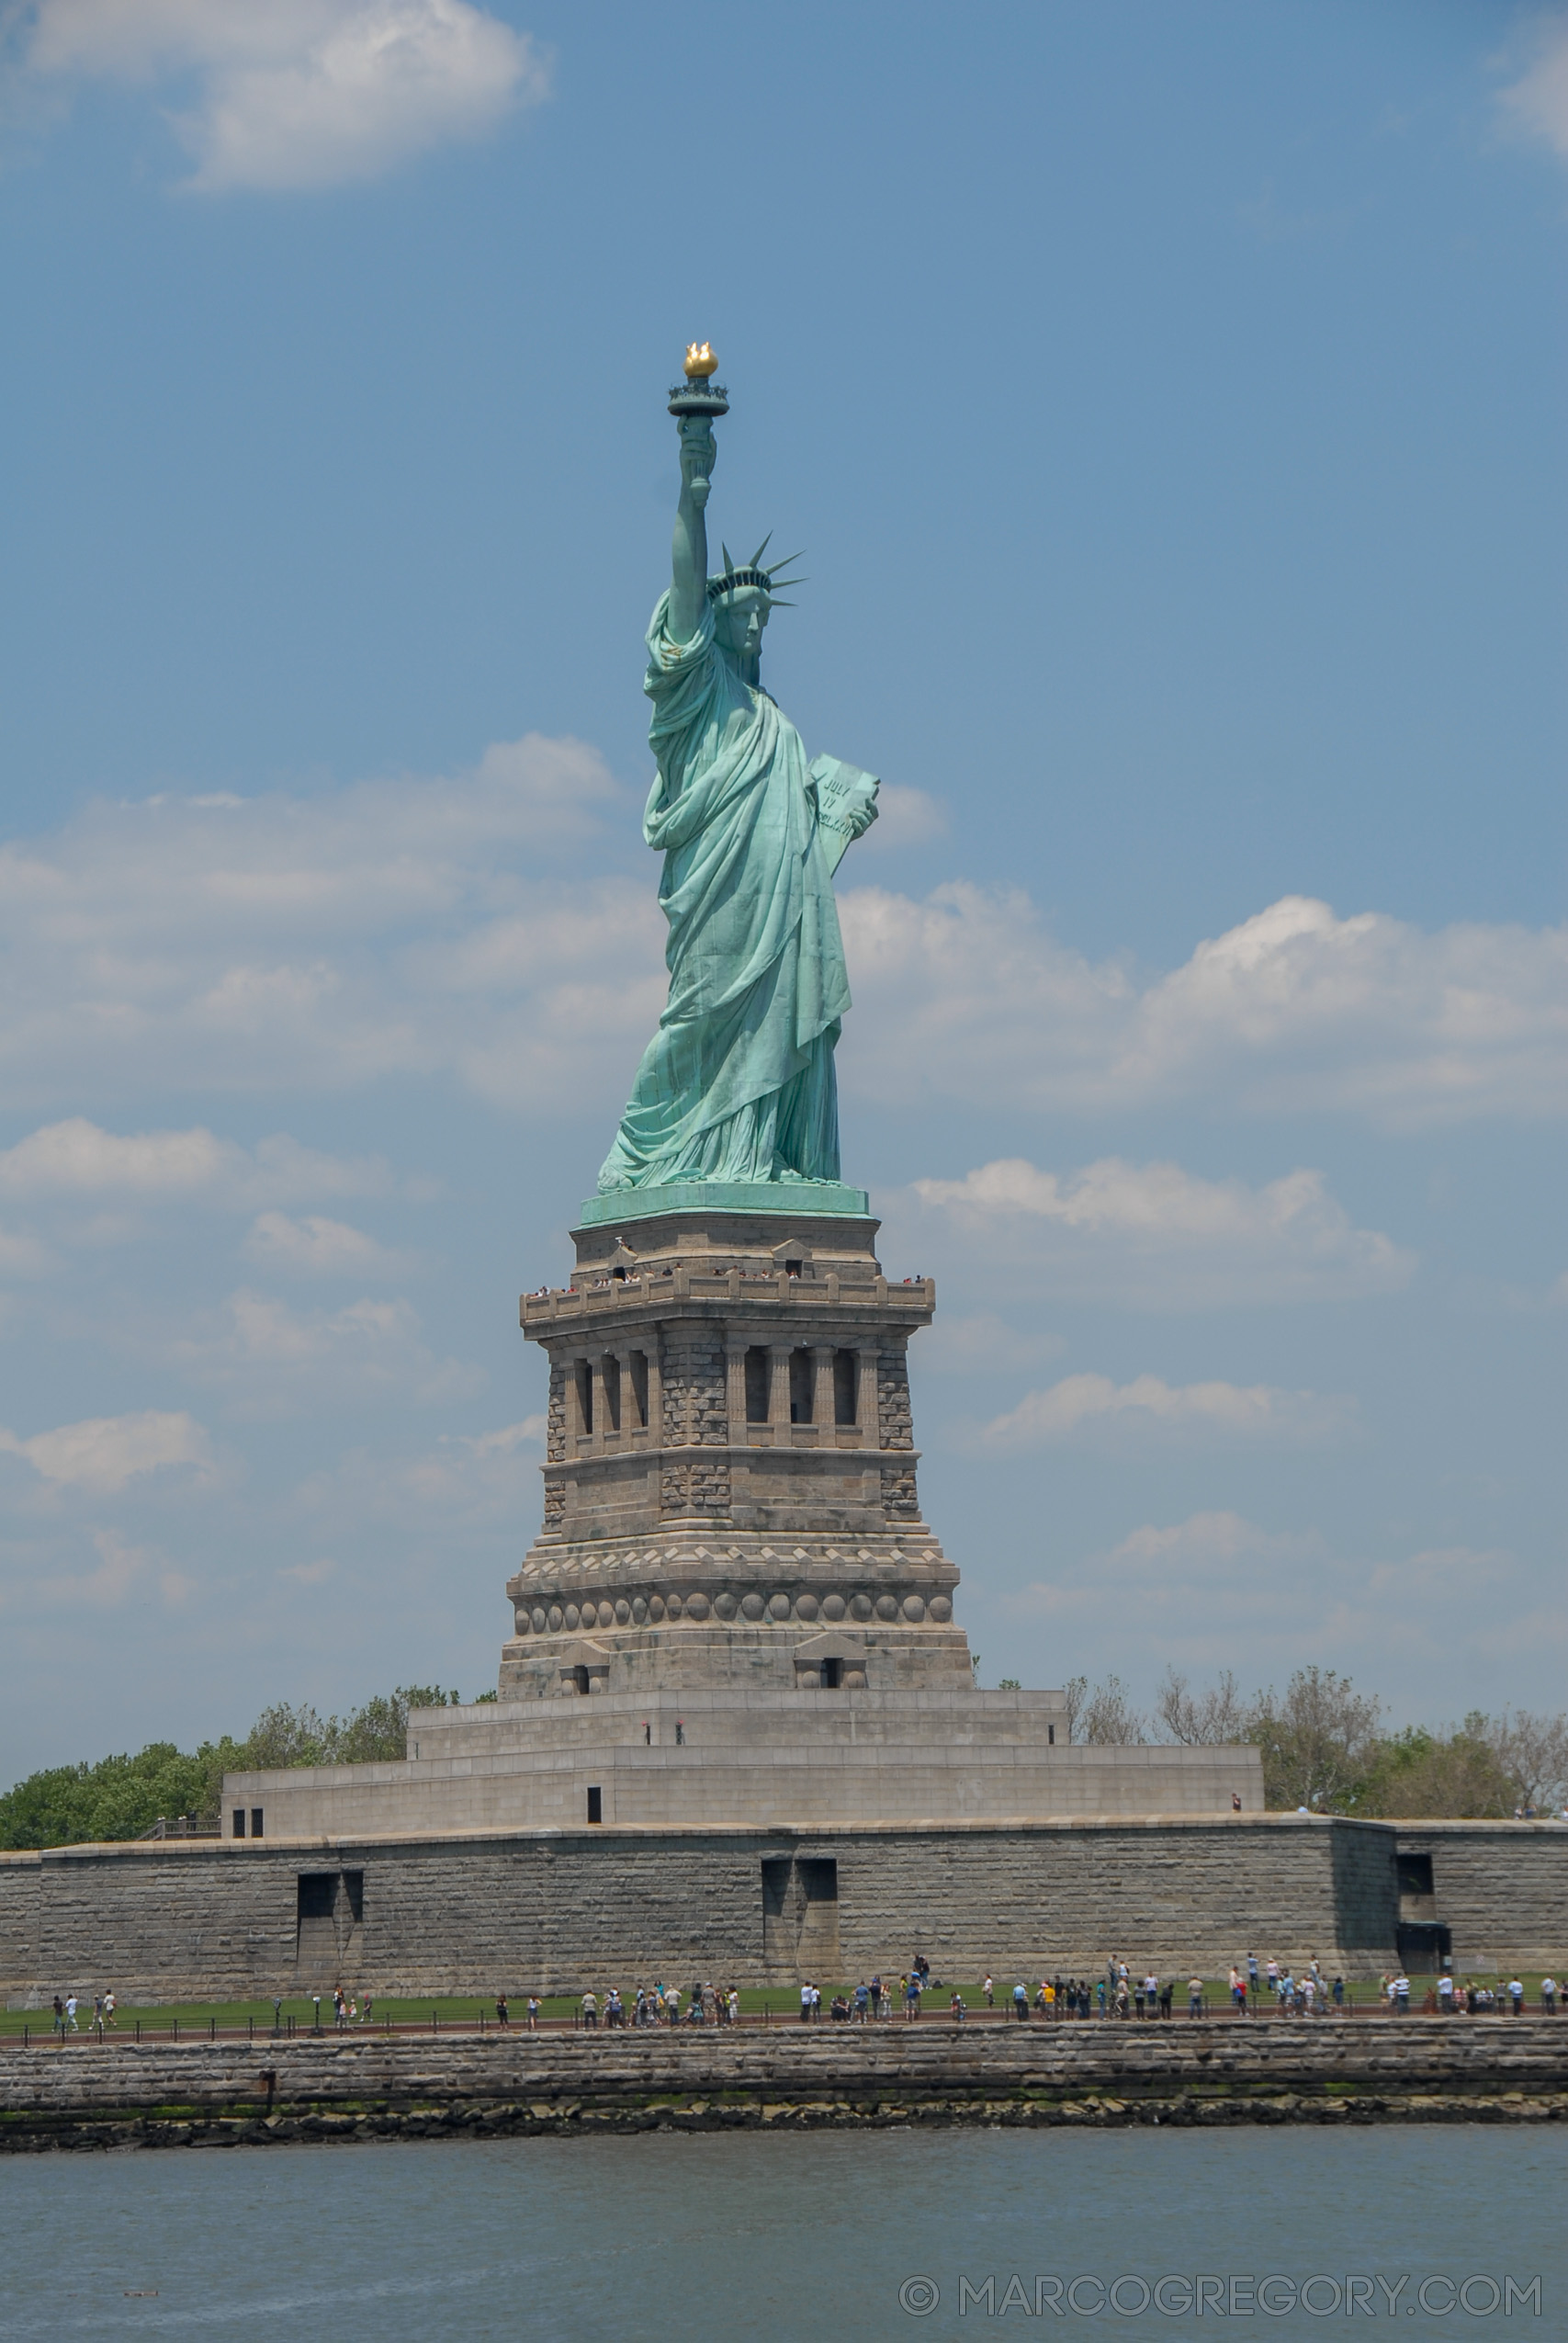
[[734, 1613], [730, 1490]]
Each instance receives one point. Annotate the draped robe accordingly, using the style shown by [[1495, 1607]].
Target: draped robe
[[738, 1084]]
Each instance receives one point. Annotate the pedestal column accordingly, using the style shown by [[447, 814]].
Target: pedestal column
[[778, 1388], [865, 1401], [628, 1411], [655, 1395], [822, 1410], [734, 1391]]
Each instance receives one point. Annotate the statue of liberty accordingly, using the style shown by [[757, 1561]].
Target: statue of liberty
[[738, 1084]]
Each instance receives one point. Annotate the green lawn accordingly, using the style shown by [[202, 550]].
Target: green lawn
[[781, 2003]]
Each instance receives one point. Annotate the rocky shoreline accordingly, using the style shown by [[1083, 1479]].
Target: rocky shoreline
[[1211, 2073]]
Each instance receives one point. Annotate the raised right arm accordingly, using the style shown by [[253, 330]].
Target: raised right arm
[[689, 553]]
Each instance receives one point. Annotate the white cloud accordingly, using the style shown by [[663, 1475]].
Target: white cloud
[[274, 1360], [102, 1454], [120, 1568], [45, 1583], [458, 929], [1209, 1546], [316, 1248], [275, 943], [1084, 1403], [1537, 103], [505, 1442], [965, 996], [308, 1574], [464, 1483], [78, 1159], [478, 1473], [983, 1344], [1219, 1590], [904, 818], [1156, 1235], [1210, 1558], [293, 94], [22, 1255]]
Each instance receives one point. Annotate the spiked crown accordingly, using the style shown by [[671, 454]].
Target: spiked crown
[[751, 573]]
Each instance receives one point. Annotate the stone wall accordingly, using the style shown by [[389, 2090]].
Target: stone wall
[[893, 1411], [1500, 1887], [201, 1919], [559, 1910], [1216, 2070], [689, 1760], [1366, 1880], [1048, 1898], [20, 1877], [899, 1499], [167, 1917]]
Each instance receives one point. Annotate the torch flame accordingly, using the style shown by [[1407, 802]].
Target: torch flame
[[700, 361]]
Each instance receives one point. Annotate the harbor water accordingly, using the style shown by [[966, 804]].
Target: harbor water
[[1295, 2232]]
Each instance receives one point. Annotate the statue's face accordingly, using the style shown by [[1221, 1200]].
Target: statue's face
[[738, 622]]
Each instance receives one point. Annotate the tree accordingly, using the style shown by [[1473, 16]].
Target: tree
[[121, 1797], [379, 1730], [1105, 1714], [1319, 1743], [282, 1736], [1421, 1773], [1206, 1721], [1532, 1749], [116, 1798]]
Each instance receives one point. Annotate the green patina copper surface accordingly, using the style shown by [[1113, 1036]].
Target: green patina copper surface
[[737, 1084], [796, 1199]]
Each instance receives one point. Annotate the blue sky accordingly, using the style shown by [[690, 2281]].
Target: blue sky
[[1170, 401]]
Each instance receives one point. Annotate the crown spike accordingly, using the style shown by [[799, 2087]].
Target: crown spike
[[728, 562], [756, 560]]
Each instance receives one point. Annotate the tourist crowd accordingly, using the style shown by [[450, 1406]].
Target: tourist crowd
[[1473, 1998], [655, 2005], [1122, 1992]]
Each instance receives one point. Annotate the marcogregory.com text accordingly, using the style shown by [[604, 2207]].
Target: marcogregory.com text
[[1230, 2295]]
